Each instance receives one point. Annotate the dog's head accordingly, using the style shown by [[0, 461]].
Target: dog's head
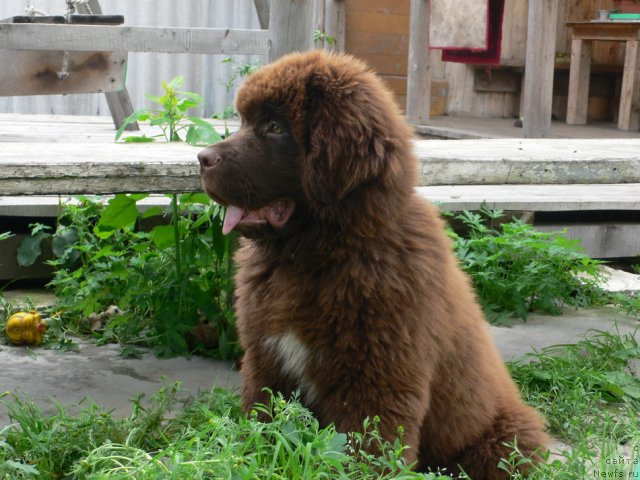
[[316, 129]]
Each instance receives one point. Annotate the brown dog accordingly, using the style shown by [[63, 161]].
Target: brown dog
[[348, 290]]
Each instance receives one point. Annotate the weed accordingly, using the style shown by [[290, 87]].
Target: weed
[[165, 281], [516, 269], [240, 70], [207, 437], [585, 389], [171, 117], [320, 36]]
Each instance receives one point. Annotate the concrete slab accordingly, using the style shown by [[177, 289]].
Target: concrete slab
[[540, 331], [100, 374]]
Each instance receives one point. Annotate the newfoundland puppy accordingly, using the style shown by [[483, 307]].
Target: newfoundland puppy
[[347, 287]]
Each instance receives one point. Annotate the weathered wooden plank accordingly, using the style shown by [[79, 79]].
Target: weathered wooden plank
[[262, 9], [66, 168], [133, 39], [72, 128], [604, 240], [530, 161], [540, 56], [419, 74], [291, 25], [34, 168], [629, 115], [538, 198], [579, 75], [335, 22], [31, 72]]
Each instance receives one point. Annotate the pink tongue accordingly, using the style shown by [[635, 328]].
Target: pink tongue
[[232, 218]]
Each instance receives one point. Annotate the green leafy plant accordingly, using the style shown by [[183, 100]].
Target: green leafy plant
[[172, 282], [583, 389], [517, 269], [240, 70], [171, 117], [178, 436], [322, 36]]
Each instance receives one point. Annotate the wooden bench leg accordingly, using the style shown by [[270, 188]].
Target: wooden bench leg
[[629, 115], [579, 74]]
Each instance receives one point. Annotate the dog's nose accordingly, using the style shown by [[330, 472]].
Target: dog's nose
[[208, 158]]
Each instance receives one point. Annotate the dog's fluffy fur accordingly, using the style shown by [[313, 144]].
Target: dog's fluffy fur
[[347, 289]]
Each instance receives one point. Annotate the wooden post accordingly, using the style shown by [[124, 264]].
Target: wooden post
[[291, 24], [335, 22], [629, 115], [419, 75], [579, 74], [540, 61], [119, 103], [262, 8]]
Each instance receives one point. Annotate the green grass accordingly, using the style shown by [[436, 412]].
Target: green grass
[[180, 437], [585, 390], [590, 400]]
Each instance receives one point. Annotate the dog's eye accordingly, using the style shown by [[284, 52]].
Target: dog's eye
[[275, 128]]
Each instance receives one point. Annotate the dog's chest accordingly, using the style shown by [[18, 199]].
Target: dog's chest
[[294, 357]]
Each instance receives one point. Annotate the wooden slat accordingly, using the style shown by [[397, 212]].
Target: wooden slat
[[286, 34], [538, 198], [419, 74], [65, 168], [335, 22], [530, 161], [398, 7], [31, 72], [579, 76], [37, 168], [538, 81], [133, 39], [378, 23], [629, 116], [262, 9]]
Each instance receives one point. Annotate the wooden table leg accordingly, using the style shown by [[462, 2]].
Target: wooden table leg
[[629, 115], [579, 73]]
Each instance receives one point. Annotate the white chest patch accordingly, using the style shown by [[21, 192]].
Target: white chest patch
[[294, 356]]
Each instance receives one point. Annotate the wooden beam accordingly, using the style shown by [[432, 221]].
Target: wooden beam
[[538, 198], [291, 25], [121, 107], [133, 39], [335, 15], [540, 59], [629, 116], [119, 102], [419, 74], [262, 9], [579, 75]]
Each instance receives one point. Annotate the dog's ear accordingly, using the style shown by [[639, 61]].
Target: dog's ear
[[345, 140]]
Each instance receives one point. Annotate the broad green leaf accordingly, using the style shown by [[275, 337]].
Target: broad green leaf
[[139, 115], [153, 212], [195, 198], [64, 238], [202, 135], [163, 236], [121, 212], [30, 249], [174, 83]]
